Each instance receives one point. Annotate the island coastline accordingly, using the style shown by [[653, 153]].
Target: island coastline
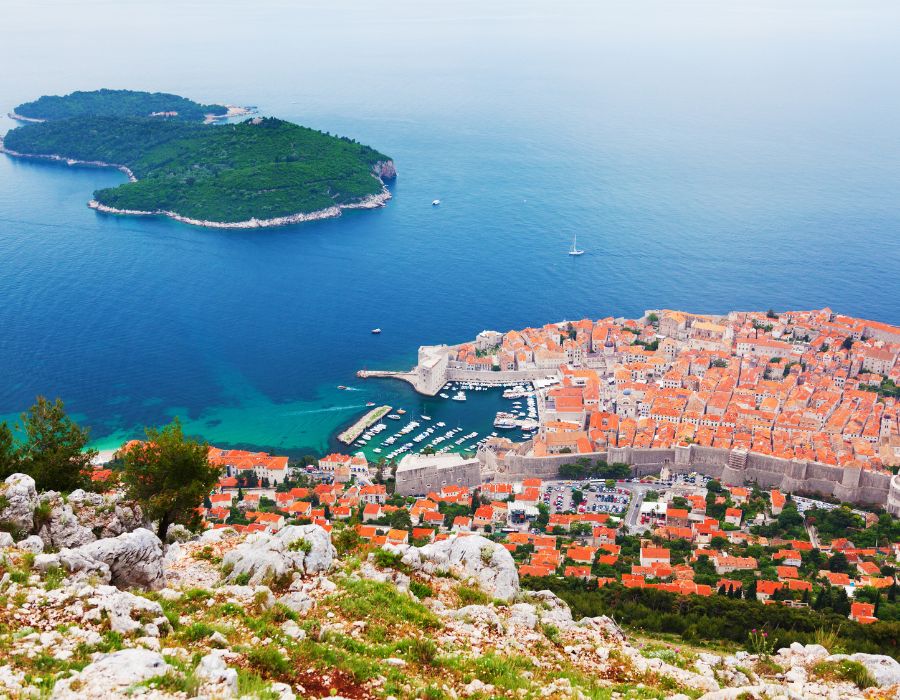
[[68, 161], [19, 118], [374, 201]]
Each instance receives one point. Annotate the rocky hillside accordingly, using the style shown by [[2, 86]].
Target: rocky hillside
[[93, 605]]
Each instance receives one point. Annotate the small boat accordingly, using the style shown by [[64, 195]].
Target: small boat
[[424, 417], [342, 387], [444, 396], [370, 403], [401, 411], [459, 396], [575, 250], [376, 331], [393, 416], [436, 203]]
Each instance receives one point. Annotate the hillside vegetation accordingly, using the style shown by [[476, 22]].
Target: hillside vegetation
[[116, 103]]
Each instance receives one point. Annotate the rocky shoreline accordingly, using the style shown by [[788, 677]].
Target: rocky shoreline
[[381, 170], [374, 201], [69, 161], [20, 118]]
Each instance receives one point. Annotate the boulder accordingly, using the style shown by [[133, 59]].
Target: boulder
[[120, 607], [111, 675], [19, 499], [133, 559], [6, 539], [298, 601], [523, 615], [884, 669], [63, 528], [304, 549], [468, 556], [213, 669], [551, 610], [32, 543]]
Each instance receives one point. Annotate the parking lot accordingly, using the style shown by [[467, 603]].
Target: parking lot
[[598, 498]]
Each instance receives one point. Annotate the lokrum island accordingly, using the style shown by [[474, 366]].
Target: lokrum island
[[182, 162]]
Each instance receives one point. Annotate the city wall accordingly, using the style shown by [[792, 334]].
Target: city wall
[[502, 377], [735, 467]]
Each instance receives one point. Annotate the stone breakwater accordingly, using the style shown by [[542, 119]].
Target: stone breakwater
[[68, 161], [381, 171]]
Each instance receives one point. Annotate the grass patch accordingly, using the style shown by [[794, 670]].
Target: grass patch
[[469, 595], [390, 560], [420, 590], [845, 670], [252, 685], [365, 600], [269, 662]]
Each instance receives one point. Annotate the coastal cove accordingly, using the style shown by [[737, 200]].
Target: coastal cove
[[689, 186]]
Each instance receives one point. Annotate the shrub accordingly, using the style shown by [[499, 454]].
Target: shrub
[[423, 651], [420, 590], [471, 595], [269, 661], [845, 670], [300, 545]]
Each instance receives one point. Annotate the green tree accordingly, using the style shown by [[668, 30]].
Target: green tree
[[9, 452], [400, 519], [169, 475], [54, 451], [838, 563]]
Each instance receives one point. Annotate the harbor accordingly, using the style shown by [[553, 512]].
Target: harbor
[[371, 418], [459, 418]]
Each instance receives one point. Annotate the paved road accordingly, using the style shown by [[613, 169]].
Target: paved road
[[634, 507]]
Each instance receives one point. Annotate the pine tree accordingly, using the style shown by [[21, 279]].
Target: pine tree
[[750, 593], [9, 452], [169, 475], [55, 450]]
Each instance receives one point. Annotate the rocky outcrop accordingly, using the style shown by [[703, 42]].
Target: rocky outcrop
[[473, 557], [884, 669], [18, 499], [62, 528], [131, 560], [121, 608], [264, 557], [111, 675], [385, 170]]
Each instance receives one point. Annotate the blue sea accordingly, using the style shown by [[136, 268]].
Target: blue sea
[[709, 156]]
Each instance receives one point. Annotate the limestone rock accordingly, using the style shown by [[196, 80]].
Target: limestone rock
[[487, 562], [32, 543], [133, 559], [20, 500], [120, 607], [884, 669], [111, 675], [213, 669], [305, 549], [63, 528]]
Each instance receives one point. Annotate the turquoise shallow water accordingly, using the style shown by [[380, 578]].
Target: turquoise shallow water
[[709, 155]]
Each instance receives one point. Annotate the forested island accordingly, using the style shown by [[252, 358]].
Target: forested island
[[259, 172], [116, 103]]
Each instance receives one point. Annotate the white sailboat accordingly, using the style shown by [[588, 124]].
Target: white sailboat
[[575, 250]]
